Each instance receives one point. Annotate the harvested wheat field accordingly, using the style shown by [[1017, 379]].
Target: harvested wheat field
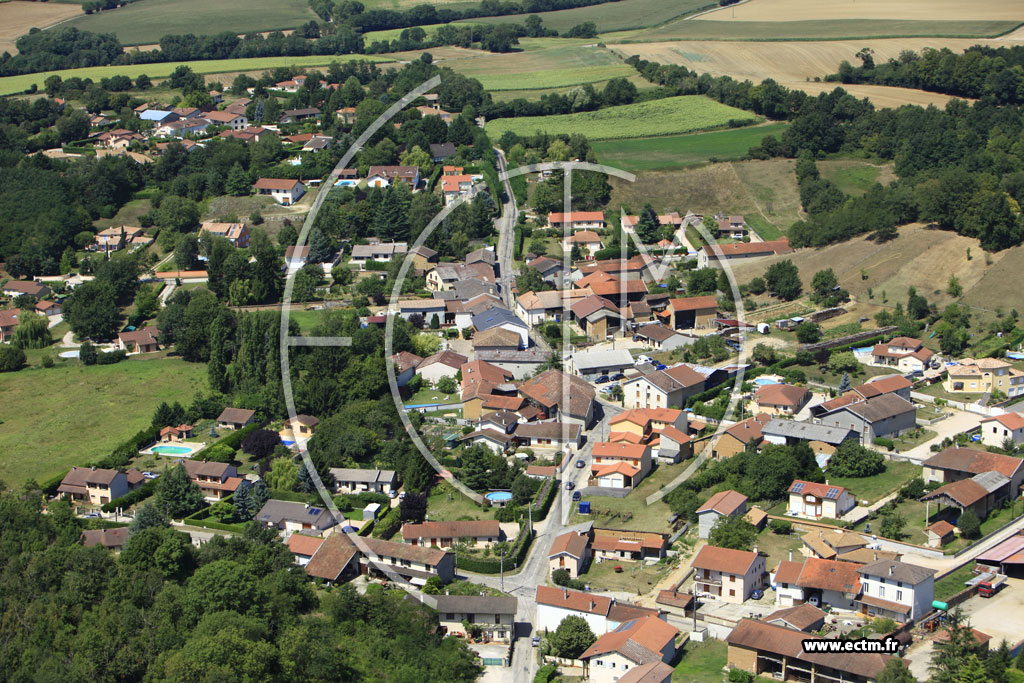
[[919, 10], [792, 63], [16, 18]]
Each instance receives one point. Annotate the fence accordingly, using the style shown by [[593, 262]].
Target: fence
[[988, 411], [883, 543]]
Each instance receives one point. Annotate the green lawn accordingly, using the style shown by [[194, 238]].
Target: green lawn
[[634, 577], [938, 391], [16, 84], [914, 438], [612, 512], [147, 22], [428, 395], [823, 29], [71, 414], [446, 503], [855, 180], [872, 488], [777, 546], [702, 662], [554, 78], [953, 583], [667, 116], [680, 151]]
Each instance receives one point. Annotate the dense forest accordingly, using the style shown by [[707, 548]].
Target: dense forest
[[235, 609], [978, 72], [960, 168]]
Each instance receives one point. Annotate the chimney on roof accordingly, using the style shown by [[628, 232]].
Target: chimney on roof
[[891, 567], [565, 593], [592, 605], [826, 482], [307, 506], [876, 557], [755, 550], [790, 555], [94, 468]]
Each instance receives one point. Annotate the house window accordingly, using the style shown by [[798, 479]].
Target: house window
[[732, 592], [899, 595], [881, 591]]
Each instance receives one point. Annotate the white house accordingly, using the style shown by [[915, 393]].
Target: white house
[[283, 190], [813, 501], [897, 590], [441, 364], [996, 430], [631, 646], [601, 613], [226, 118]]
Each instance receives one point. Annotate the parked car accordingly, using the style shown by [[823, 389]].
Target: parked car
[[607, 390], [580, 464], [150, 475], [536, 641], [660, 366], [643, 359], [576, 495], [757, 594], [618, 376], [569, 486], [603, 379], [93, 515]]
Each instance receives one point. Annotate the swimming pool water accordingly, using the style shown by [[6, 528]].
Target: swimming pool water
[[171, 450], [498, 496], [764, 381]]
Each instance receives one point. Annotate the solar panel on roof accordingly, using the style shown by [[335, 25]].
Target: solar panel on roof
[[314, 511], [832, 493], [798, 487]]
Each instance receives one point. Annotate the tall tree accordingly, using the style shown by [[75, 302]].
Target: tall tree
[[176, 495]]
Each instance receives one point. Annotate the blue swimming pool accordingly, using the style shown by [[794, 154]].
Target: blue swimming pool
[[1015, 355], [764, 381], [171, 450], [499, 496]]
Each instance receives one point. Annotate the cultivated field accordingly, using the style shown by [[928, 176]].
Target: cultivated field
[[793, 63], [148, 21], [764, 191], [17, 18], [15, 84], [612, 16], [822, 29], [680, 151], [916, 10], [919, 257], [68, 415], [555, 78], [642, 119]]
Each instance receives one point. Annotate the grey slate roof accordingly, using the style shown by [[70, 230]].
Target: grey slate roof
[[901, 571], [805, 430], [493, 317], [276, 512], [476, 604]]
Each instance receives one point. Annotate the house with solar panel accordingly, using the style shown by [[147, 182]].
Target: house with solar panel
[[292, 517], [813, 501]]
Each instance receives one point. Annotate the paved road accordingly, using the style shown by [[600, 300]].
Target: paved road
[[506, 225]]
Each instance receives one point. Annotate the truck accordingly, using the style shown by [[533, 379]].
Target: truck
[[990, 585]]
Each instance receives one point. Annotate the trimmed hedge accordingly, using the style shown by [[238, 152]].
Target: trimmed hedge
[[545, 673], [147, 489], [549, 497], [492, 566], [388, 525]]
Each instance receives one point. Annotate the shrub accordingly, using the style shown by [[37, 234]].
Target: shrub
[[545, 674], [884, 442], [781, 527], [132, 497], [740, 676], [970, 524]]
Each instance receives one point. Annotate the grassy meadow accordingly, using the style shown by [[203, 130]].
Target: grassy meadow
[[71, 414], [146, 22], [612, 16], [658, 117], [680, 151]]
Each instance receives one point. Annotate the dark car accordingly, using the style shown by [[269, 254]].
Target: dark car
[[580, 464], [660, 366], [576, 495], [617, 376], [757, 595], [569, 486], [603, 379]]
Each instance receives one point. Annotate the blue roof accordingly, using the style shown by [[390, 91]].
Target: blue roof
[[494, 317], [154, 115]]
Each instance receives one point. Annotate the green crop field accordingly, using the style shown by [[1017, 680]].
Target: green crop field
[[612, 16], [72, 414], [556, 78], [146, 22], [643, 119], [679, 151], [10, 85], [823, 29]]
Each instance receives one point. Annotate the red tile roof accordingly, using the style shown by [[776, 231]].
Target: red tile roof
[[616, 449], [693, 303], [724, 502], [275, 184], [974, 462], [781, 395], [724, 559], [570, 543], [575, 216], [831, 575], [576, 601], [1012, 421]]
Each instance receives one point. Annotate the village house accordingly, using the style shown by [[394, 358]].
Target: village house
[[427, 309], [441, 364], [444, 276], [726, 574], [383, 252], [781, 399], [8, 323], [383, 176], [299, 115], [303, 547], [820, 582], [158, 116], [695, 312], [476, 533], [111, 539], [217, 480], [292, 517], [887, 415], [619, 464], [711, 256], [284, 191], [836, 544], [502, 318], [405, 363], [736, 437], [549, 435], [416, 564], [551, 270], [300, 426], [351, 480], [172, 433], [548, 391], [668, 219], [455, 186], [775, 651], [423, 258], [317, 143], [598, 317], [983, 376], [16, 288], [956, 464], [142, 340], [235, 233], [636, 268], [235, 418], [658, 337], [602, 613], [97, 485], [494, 615], [726, 503], [822, 439], [620, 544], [497, 338], [731, 227], [634, 644], [667, 388], [577, 220], [44, 307], [903, 353], [588, 241], [805, 617], [1000, 429], [571, 552], [496, 440], [616, 290], [813, 501], [440, 151], [115, 239], [523, 364], [897, 590], [227, 118]]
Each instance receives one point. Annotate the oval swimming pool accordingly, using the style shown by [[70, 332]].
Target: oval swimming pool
[[171, 450], [764, 381], [499, 496]]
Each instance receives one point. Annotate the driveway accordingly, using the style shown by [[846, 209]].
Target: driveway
[[957, 422]]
